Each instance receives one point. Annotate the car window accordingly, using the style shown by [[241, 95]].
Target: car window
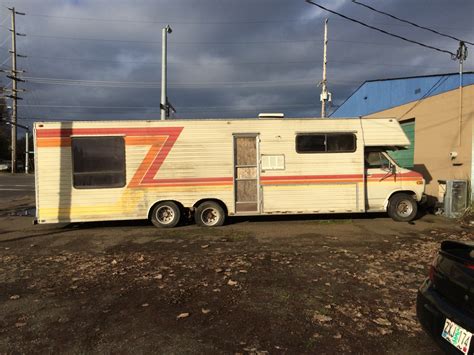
[[376, 160]]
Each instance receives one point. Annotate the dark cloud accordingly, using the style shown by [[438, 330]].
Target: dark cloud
[[226, 58]]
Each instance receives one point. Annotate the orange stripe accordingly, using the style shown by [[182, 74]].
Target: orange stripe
[[190, 184], [147, 140], [145, 164], [53, 142]]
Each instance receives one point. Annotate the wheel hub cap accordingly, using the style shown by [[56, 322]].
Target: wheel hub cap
[[404, 208], [165, 215], [210, 216]]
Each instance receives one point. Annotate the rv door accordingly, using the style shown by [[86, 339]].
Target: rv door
[[380, 179]]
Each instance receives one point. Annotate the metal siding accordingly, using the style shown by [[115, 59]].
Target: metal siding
[[381, 95]]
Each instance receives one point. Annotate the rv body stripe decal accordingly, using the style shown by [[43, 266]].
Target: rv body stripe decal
[[162, 141]]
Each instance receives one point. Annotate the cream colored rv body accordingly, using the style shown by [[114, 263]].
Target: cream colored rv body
[[120, 170]]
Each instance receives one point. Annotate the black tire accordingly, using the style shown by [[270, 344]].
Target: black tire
[[165, 215], [402, 207], [209, 214]]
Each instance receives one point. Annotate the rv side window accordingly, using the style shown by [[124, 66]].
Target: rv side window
[[326, 143], [98, 162]]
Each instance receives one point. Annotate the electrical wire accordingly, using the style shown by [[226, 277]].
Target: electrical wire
[[4, 42], [51, 60], [156, 84], [410, 23], [4, 62], [179, 22], [435, 86], [173, 42], [453, 55], [163, 21], [195, 43]]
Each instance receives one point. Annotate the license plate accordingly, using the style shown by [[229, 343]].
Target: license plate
[[457, 336]]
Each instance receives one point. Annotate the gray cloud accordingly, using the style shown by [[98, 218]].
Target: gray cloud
[[226, 58]]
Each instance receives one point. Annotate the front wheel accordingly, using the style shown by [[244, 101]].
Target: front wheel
[[402, 207], [165, 214], [209, 214]]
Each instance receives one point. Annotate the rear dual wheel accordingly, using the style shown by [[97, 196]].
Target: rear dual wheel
[[209, 214]]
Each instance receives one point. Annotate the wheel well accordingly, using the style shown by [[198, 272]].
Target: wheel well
[[180, 205], [222, 204]]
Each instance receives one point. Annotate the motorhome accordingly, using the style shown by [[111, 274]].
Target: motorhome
[[160, 170]]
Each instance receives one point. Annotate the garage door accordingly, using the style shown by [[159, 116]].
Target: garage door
[[405, 157]]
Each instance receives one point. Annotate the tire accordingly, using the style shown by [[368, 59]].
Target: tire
[[402, 207], [165, 215], [209, 214]]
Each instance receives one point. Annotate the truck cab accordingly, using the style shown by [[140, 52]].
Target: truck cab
[[390, 187]]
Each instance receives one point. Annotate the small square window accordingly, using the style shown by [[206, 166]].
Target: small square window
[[98, 162]]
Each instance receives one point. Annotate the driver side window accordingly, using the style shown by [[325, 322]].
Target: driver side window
[[374, 160]]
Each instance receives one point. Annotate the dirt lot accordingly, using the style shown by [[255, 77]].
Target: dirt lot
[[268, 285]]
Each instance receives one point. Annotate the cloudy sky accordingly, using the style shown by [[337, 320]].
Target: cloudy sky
[[100, 59]]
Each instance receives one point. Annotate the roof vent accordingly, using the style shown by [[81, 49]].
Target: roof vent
[[271, 115]]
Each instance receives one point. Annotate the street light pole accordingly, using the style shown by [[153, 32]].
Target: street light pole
[[164, 54]]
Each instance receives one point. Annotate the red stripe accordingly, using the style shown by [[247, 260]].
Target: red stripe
[[214, 179], [160, 158], [312, 177], [67, 132], [411, 174]]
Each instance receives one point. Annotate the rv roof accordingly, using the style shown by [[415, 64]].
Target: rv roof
[[226, 119]]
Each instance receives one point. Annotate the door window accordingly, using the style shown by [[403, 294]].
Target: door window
[[376, 160]]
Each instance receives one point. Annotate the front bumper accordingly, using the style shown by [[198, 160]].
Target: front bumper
[[432, 311]]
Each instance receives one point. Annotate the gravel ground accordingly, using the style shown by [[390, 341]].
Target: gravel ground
[[264, 285]]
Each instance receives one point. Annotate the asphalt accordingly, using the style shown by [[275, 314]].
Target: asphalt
[[16, 185]]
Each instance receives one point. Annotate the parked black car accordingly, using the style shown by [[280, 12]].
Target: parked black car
[[445, 302]]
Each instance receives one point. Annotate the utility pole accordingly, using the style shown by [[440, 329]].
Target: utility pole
[[164, 101], [461, 55], [14, 104], [27, 152], [14, 94], [325, 95]]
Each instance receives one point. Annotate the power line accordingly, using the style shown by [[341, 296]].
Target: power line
[[409, 22], [179, 22], [174, 42], [163, 21], [156, 84], [193, 43], [436, 85], [453, 55], [218, 63]]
